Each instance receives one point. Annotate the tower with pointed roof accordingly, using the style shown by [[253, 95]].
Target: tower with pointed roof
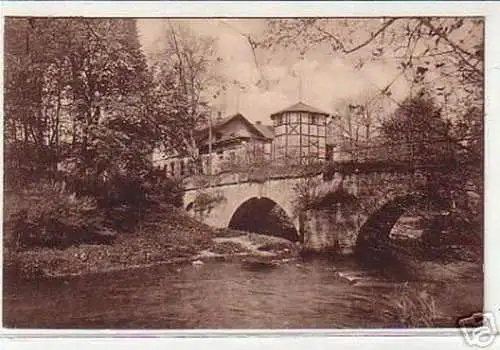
[[300, 134]]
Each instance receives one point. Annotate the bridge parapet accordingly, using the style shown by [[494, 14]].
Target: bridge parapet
[[252, 175], [269, 171]]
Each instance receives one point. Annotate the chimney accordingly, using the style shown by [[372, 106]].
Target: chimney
[[258, 122]]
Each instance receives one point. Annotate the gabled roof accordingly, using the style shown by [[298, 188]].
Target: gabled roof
[[300, 107], [217, 123], [261, 130]]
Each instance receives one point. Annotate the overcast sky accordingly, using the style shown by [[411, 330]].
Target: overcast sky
[[326, 79]]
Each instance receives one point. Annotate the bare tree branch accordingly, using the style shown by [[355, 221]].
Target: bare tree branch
[[459, 51], [372, 37], [250, 41]]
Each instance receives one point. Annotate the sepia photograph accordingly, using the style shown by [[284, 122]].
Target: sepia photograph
[[244, 173]]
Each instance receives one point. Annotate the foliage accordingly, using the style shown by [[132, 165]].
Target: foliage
[[75, 89], [48, 215], [185, 81], [413, 308], [80, 109], [162, 189], [443, 55], [53, 215], [306, 194], [125, 196], [419, 133], [356, 126], [432, 49], [206, 201], [228, 247]]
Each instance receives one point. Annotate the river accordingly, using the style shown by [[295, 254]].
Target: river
[[215, 295]]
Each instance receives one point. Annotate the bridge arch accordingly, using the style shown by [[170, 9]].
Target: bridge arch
[[264, 215], [377, 227]]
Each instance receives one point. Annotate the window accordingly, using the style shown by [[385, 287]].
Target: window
[[172, 168], [313, 119]]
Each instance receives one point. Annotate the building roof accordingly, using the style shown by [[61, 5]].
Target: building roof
[[266, 130], [218, 122], [300, 107]]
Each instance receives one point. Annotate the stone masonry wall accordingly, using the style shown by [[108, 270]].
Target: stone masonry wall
[[336, 226]]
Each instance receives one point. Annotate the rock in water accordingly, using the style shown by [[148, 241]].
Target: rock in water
[[197, 263], [257, 264], [351, 279]]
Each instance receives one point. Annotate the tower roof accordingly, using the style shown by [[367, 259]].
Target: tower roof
[[300, 107]]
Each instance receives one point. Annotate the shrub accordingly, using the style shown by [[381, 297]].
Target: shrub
[[207, 201], [121, 198], [49, 216], [134, 198], [413, 308], [160, 188], [124, 197]]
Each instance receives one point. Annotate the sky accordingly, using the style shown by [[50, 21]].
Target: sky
[[319, 78]]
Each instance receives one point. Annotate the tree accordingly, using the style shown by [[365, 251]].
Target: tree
[[109, 88], [34, 87], [418, 133], [356, 126], [444, 55], [186, 81], [69, 87]]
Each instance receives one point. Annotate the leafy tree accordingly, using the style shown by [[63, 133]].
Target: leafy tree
[[33, 90], [78, 89], [186, 80], [79, 103], [418, 133]]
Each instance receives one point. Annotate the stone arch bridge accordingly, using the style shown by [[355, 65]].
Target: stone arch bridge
[[325, 212]]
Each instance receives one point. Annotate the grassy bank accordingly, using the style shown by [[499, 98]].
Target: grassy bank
[[166, 235]]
